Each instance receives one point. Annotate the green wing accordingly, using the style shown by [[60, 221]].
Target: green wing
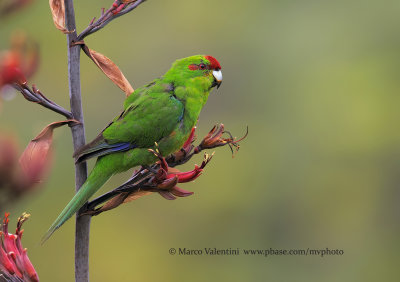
[[150, 117], [147, 120]]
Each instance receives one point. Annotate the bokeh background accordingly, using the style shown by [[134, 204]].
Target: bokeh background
[[316, 82]]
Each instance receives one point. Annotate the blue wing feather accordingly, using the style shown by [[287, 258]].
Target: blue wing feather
[[99, 147]]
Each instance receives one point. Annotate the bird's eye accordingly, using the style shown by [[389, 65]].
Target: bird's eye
[[202, 66]]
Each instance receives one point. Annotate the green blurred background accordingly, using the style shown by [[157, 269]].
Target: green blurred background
[[316, 82]]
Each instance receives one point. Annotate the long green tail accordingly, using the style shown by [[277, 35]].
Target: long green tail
[[99, 175]]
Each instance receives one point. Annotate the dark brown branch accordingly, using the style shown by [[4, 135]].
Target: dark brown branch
[[108, 16], [82, 229], [35, 96]]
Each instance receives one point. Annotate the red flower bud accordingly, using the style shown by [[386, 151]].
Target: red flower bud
[[10, 69], [14, 261], [20, 61], [188, 144], [188, 175]]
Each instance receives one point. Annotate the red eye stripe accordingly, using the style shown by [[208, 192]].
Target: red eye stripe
[[201, 66], [194, 67]]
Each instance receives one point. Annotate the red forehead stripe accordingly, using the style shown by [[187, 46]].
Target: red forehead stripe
[[214, 64]]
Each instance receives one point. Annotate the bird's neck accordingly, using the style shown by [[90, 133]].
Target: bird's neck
[[194, 90], [193, 94]]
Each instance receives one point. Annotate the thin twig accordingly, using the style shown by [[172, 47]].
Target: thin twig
[[107, 17], [34, 95]]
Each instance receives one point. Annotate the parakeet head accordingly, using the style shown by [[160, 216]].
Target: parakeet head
[[201, 67]]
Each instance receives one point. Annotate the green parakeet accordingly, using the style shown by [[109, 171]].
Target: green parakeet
[[163, 111]]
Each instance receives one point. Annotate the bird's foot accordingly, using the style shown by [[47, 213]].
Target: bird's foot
[[184, 154]]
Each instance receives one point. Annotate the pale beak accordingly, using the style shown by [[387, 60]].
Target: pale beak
[[218, 77]]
